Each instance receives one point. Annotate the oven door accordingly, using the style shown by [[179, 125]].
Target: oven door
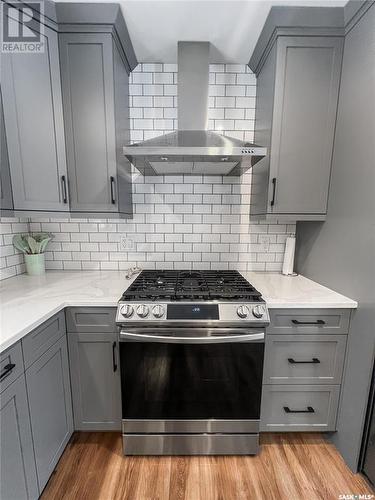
[[209, 378]]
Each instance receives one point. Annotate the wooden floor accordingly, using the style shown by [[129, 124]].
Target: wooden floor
[[289, 466]]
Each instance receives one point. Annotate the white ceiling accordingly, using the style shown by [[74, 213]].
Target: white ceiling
[[232, 26]]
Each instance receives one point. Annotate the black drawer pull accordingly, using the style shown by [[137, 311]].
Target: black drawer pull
[[112, 183], [7, 370], [309, 409], [273, 191], [63, 184], [314, 361], [114, 362], [314, 323]]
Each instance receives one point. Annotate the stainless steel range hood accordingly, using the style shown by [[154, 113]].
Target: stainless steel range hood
[[192, 149]]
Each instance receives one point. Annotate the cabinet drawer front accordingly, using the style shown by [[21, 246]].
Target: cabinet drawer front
[[299, 408], [43, 337], [316, 321], [91, 319], [11, 365], [304, 359]]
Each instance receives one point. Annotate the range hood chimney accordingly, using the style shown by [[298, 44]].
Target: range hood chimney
[[193, 74], [192, 149]]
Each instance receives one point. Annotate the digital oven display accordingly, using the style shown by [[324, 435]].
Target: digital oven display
[[193, 311]]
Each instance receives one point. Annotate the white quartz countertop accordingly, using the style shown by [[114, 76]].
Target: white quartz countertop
[[27, 301]]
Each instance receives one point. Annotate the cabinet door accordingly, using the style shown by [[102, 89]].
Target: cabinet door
[[50, 404], [95, 381], [262, 134], [306, 93], [87, 79], [34, 127], [6, 198], [122, 120], [17, 465]]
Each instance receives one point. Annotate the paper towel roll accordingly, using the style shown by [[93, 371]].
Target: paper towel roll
[[290, 246]]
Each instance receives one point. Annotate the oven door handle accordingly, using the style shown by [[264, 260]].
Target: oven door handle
[[222, 339]]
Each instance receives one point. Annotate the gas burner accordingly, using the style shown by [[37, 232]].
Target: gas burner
[[191, 286]]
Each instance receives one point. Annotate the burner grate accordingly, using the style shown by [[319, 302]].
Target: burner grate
[[191, 285]]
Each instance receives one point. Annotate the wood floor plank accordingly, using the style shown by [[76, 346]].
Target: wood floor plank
[[294, 466]]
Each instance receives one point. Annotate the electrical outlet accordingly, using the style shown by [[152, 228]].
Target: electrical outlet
[[127, 243], [265, 242]]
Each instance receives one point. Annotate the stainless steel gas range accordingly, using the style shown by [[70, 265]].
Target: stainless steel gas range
[[191, 353]]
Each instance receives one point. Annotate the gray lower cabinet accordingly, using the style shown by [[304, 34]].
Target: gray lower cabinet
[[48, 388], [17, 464], [95, 96], [297, 96], [303, 366], [95, 381], [31, 92]]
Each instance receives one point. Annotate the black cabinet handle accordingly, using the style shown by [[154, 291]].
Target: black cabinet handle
[[314, 361], [114, 362], [113, 198], [64, 191], [317, 322], [309, 409], [7, 369], [273, 191]]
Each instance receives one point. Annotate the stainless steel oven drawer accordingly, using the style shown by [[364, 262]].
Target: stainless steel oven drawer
[[190, 444], [192, 426]]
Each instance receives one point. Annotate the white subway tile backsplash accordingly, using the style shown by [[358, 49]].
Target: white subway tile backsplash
[[152, 67], [245, 102], [225, 79], [163, 102], [225, 102], [235, 90], [141, 78], [235, 68], [170, 67]]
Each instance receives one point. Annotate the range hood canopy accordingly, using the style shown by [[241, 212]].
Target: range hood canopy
[[192, 149]]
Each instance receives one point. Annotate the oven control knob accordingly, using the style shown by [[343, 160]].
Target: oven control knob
[[243, 311], [258, 311], [158, 311], [142, 311], [127, 310]]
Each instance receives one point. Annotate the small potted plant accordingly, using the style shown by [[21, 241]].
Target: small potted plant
[[33, 247]]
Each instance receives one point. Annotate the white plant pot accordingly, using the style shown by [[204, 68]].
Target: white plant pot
[[35, 264]]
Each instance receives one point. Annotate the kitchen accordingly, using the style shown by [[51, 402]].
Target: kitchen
[[191, 316]]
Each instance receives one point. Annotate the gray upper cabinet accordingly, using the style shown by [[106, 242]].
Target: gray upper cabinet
[[297, 95], [92, 75], [95, 381], [17, 465], [66, 121], [31, 91], [48, 388], [6, 198]]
